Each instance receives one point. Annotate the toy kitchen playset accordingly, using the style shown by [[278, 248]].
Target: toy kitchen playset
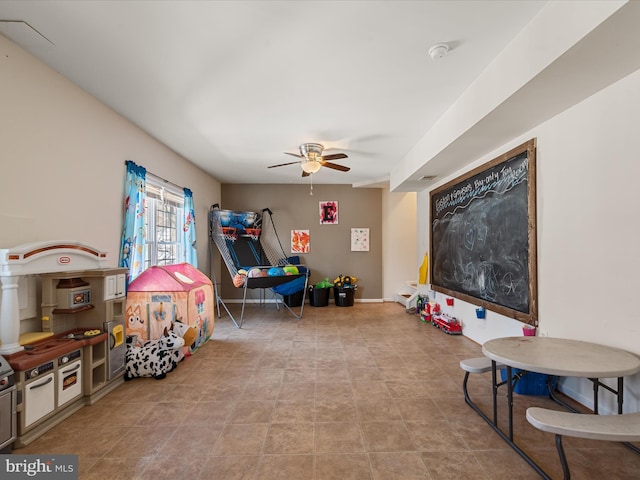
[[72, 352]]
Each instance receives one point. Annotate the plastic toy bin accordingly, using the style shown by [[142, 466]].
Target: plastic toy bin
[[530, 383], [344, 296], [318, 297], [293, 300]]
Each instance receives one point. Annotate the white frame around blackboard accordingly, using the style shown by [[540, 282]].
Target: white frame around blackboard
[[531, 315]]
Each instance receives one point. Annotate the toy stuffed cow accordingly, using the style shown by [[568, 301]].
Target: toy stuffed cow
[[154, 359], [188, 334]]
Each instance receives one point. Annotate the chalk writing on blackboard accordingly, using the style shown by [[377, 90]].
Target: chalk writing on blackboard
[[480, 234], [496, 182]]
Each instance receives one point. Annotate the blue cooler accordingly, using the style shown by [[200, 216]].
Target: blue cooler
[[530, 383]]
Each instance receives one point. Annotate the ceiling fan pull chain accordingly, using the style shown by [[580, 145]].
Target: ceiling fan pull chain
[[311, 180]]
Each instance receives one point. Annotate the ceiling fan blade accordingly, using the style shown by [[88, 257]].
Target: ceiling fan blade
[[305, 174], [294, 154], [335, 166], [282, 164], [334, 156]]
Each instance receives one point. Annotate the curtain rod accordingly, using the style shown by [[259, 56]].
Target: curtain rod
[[159, 178], [156, 177]]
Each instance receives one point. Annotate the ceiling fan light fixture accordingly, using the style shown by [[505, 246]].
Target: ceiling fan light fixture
[[310, 166], [311, 150], [311, 159]]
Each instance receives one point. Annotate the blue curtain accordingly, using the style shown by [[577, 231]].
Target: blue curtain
[[132, 246], [189, 230]]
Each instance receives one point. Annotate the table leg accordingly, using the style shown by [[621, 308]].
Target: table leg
[[555, 398], [494, 378], [507, 438], [620, 394], [510, 400]]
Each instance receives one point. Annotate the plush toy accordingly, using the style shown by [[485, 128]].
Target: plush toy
[[155, 358], [324, 284], [188, 334]]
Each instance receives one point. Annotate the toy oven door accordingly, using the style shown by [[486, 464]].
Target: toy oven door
[[116, 348]]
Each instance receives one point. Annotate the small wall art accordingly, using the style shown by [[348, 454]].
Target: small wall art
[[300, 241], [329, 212], [359, 239]]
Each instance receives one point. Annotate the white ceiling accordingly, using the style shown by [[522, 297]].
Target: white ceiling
[[231, 85]]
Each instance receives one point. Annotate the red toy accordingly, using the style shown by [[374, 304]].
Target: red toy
[[430, 310], [447, 324]]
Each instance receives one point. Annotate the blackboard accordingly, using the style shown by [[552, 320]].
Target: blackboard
[[483, 235]]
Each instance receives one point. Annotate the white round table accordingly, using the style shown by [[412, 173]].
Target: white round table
[[557, 357], [562, 357]]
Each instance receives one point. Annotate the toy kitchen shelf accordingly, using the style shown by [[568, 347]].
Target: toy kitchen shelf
[[107, 301], [79, 293]]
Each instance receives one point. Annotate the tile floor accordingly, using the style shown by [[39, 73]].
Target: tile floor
[[362, 392]]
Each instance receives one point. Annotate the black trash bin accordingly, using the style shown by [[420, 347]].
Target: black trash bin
[[318, 297], [293, 300], [344, 296]]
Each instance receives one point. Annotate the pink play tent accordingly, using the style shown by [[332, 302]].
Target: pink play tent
[[162, 294]]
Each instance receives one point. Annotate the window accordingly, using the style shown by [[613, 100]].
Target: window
[[164, 214]]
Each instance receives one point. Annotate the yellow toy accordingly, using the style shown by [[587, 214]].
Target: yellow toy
[[423, 270], [345, 281]]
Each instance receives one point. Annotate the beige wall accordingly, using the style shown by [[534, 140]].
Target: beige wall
[[400, 257], [331, 255], [62, 161], [62, 178]]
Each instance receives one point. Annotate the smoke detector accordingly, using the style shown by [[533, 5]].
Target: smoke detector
[[439, 50]]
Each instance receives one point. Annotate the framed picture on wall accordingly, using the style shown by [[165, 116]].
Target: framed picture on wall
[[329, 212], [359, 239], [300, 241]]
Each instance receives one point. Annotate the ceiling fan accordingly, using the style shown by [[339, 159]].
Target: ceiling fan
[[312, 159]]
